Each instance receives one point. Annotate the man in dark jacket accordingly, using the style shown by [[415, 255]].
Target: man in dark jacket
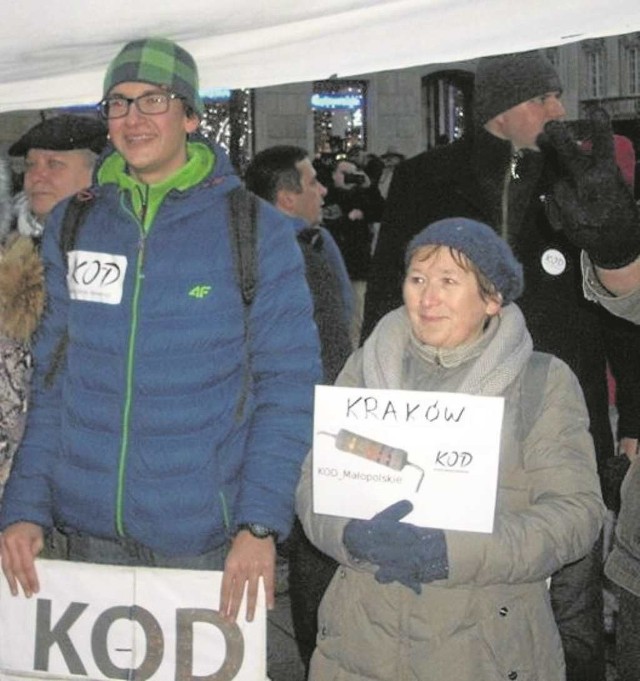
[[498, 175], [173, 430], [285, 176]]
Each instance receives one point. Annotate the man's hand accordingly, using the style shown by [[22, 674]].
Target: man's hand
[[20, 543], [592, 202], [629, 447], [249, 559]]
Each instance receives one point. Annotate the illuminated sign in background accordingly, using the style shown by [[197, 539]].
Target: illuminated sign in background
[[336, 101], [339, 114]]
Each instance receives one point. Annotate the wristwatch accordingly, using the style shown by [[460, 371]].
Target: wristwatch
[[259, 531]]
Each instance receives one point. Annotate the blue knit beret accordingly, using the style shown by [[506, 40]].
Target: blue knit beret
[[479, 242]]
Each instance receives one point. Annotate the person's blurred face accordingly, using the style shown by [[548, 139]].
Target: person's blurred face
[[344, 168], [521, 124], [154, 147], [307, 204], [51, 176], [443, 300]]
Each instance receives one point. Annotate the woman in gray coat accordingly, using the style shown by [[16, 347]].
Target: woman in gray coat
[[421, 604]]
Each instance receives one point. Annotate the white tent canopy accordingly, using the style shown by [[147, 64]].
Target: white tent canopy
[[55, 52]]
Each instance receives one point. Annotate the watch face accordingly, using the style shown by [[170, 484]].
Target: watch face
[[259, 531]]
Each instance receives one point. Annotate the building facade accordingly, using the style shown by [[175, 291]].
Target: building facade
[[415, 108], [408, 109]]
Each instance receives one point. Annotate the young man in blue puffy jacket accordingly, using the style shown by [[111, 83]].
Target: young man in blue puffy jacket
[[172, 429]]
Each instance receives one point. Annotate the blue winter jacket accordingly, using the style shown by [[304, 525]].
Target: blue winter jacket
[[139, 435]]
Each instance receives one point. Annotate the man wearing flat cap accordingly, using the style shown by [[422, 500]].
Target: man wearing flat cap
[[500, 176], [59, 155]]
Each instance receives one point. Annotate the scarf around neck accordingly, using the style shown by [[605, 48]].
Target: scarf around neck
[[485, 367], [26, 222]]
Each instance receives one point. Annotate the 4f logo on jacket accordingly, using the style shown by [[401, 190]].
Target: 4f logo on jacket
[[96, 277], [200, 291]]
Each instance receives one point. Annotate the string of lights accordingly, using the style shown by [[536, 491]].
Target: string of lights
[[228, 121]]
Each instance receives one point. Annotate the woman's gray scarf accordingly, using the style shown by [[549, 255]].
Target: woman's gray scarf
[[489, 365]]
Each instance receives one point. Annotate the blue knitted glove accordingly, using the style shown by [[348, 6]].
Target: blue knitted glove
[[404, 553]]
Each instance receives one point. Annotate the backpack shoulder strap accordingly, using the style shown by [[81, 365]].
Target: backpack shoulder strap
[[534, 382], [243, 213], [73, 218], [243, 237]]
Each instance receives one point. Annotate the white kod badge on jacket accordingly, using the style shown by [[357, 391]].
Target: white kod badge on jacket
[[553, 262], [96, 277]]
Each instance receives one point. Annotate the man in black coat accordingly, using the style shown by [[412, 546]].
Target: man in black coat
[[498, 175]]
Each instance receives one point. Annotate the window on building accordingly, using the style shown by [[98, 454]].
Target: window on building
[[595, 68], [339, 115], [630, 63], [633, 64], [447, 103]]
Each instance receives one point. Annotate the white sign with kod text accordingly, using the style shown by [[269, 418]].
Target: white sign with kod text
[[441, 451], [96, 277], [109, 622]]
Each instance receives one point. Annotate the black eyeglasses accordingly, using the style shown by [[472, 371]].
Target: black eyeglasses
[[150, 103]]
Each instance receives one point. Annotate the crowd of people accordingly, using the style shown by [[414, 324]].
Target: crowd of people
[[144, 424]]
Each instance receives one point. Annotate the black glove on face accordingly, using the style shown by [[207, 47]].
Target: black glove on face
[[592, 202], [404, 553]]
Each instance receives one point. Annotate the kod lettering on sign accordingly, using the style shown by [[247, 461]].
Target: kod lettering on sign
[[50, 634], [96, 277], [452, 460], [111, 622]]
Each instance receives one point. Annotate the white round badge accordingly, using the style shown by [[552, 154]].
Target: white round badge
[[553, 262]]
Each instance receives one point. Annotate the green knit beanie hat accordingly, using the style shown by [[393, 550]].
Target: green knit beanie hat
[[160, 62]]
